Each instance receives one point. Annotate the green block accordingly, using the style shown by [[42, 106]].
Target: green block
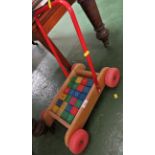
[[75, 86], [70, 84], [70, 118], [73, 79], [64, 115], [68, 98], [78, 103]]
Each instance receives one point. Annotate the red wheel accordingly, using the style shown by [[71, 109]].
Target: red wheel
[[112, 77], [78, 141]]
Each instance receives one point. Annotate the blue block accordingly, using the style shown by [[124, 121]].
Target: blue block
[[59, 102], [86, 90], [82, 96], [76, 94], [90, 82], [68, 108], [71, 92]]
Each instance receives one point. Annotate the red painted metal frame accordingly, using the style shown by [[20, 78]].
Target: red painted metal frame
[[79, 33]]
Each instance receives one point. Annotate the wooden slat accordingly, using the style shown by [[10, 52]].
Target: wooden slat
[[85, 73], [64, 123]]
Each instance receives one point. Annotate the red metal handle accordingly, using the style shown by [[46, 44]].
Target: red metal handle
[[78, 31]]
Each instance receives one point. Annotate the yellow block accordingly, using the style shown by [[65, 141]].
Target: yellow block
[[79, 79], [63, 106], [55, 108], [63, 96]]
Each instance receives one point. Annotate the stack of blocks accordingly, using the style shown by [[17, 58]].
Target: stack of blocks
[[70, 101]]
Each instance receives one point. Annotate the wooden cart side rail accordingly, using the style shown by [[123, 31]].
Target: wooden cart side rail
[[59, 119], [85, 73], [86, 108]]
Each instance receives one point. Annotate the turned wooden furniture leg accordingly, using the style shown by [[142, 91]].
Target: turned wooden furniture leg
[[40, 128], [92, 12]]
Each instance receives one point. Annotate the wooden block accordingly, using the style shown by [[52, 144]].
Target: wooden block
[[70, 84], [63, 96], [74, 111], [80, 88], [78, 103], [73, 100], [76, 94], [71, 93], [64, 115], [68, 108], [67, 90], [63, 106], [59, 102], [86, 89], [73, 79], [84, 81], [82, 96], [70, 118], [89, 83], [68, 98], [55, 108], [75, 86], [78, 79]]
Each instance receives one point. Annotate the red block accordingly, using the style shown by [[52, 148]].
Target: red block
[[80, 88], [67, 90], [84, 81], [74, 111], [72, 100]]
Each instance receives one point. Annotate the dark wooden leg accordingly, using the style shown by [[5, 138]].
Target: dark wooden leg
[[92, 12], [39, 128]]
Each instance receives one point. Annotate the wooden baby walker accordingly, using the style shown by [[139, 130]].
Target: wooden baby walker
[[78, 95]]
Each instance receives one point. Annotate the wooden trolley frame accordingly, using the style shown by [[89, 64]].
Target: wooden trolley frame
[[87, 106]]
